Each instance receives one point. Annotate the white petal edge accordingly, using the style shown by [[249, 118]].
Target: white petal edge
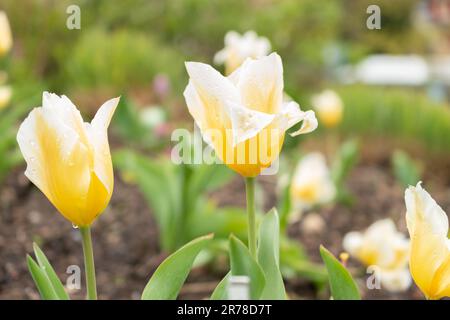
[[291, 114], [30, 148], [420, 205], [97, 131], [197, 110]]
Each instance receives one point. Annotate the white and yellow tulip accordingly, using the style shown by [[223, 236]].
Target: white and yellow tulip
[[243, 116], [240, 47], [381, 245], [329, 108], [430, 247], [312, 184], [67, 159], [5, 34]]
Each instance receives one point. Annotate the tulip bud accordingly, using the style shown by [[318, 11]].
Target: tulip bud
[[430, 247], [68, 159]]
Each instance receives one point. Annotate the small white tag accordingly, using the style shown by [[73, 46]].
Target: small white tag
[[239, 288]]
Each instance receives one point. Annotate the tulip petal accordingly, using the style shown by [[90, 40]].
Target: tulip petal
[[197, 110], [430, 254], [97, 199], [291, 114], [247, 123], [207, 96], [97, 132], [420, 206], [309, 123], [104, 114], [260, 83], [56, 161], [67, 112]]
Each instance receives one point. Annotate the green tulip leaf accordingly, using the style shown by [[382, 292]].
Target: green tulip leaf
[[220, 292], [45, 266], [269, 257], [342, 285], [166, 282], [243, 264], [41, 280]]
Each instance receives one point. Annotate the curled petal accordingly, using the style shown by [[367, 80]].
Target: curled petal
[[291, 115]]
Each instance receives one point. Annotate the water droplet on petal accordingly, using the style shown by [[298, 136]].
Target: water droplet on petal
[[74, 226]]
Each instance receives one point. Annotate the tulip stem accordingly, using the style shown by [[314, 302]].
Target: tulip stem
[[89, 263], [250, 192]]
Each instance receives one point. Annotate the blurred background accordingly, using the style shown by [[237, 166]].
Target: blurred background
[[393, 85]]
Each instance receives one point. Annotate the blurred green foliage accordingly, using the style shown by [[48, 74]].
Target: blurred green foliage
[[118, 60], [397, 113], [406, 170], [124, 43]]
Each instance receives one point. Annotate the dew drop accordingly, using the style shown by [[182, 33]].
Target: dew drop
[[74, 226]]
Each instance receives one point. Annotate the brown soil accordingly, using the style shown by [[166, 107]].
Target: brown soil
[[125, 236]]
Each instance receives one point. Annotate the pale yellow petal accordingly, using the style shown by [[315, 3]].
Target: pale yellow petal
[[56, 162], [261, 83], [67, 112], [213, 91], [98, 135], [428, 227]]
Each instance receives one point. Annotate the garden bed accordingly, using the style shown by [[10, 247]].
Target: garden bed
[[126, 242]]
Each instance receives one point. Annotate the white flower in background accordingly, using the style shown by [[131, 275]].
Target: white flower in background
[[383, 246], [430, 247], [5, 34], [5, 96], [312, 183], [329, 108], [152, 116], [240, 47]]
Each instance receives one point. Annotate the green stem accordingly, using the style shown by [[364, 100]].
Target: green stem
[[250, 192], [89, 263]]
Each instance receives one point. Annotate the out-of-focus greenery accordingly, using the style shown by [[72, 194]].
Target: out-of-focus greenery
[[395, 113], [118, 60], [344, 161], [406, 170], [176, 195], [130, 125], [124, 43]]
